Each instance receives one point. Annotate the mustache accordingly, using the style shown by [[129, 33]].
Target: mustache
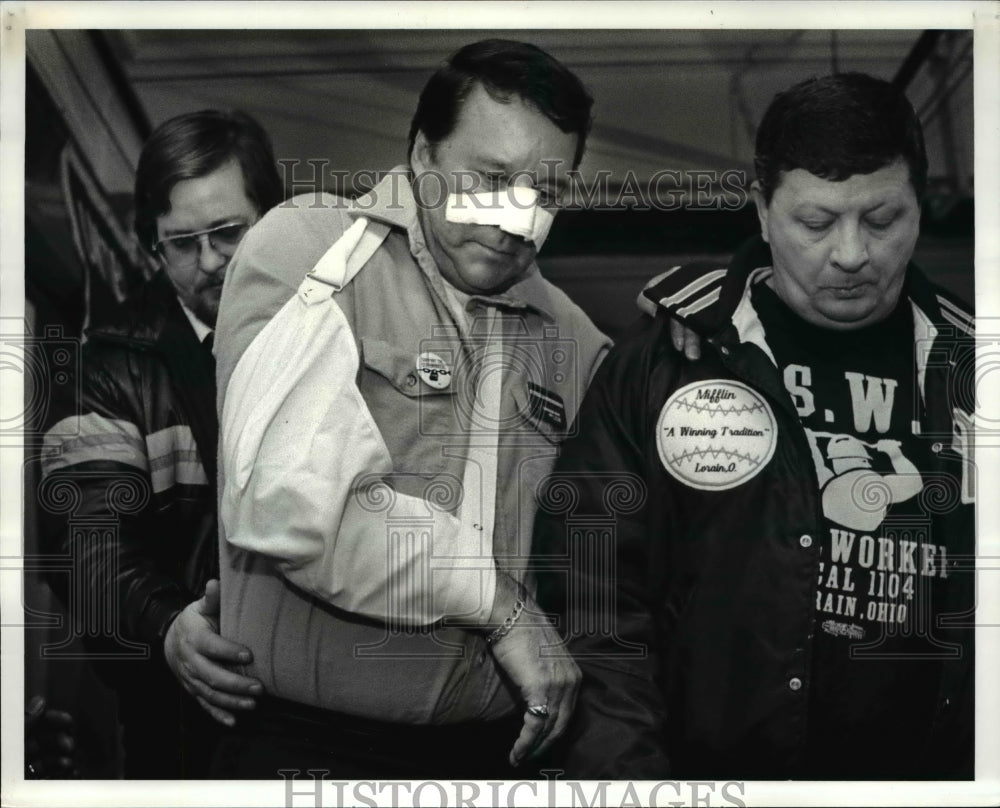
[[214, 283]]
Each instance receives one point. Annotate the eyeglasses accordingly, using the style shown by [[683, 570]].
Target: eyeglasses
[[182, 251]]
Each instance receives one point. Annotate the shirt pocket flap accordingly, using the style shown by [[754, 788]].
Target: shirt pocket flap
[[398, 367]]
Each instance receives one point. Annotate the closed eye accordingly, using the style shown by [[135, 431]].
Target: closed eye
[[494, 179], [548, 198]]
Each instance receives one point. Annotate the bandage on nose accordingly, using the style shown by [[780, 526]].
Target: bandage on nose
[[514, 210]]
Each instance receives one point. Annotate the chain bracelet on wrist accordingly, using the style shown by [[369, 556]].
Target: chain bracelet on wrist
[[508, 623]]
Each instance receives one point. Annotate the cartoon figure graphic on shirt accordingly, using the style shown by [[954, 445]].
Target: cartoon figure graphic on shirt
[[854, 493]]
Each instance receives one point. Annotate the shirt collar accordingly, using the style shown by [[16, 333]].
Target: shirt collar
[[391, 201], [200, 329]]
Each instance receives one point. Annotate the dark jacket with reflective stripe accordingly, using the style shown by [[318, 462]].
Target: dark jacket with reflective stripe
[[692, 612], [138, 450]]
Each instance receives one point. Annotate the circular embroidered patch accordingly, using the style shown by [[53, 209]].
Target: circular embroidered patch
[[433, 370], [715, 434]]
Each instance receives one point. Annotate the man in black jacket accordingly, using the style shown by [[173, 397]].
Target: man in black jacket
[[766, 545], [143, 459]]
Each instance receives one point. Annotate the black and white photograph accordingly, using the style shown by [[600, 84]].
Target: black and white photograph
[[500, 403]]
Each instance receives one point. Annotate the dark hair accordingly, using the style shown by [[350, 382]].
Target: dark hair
[[838, 126], [194, 145], [504, 68]]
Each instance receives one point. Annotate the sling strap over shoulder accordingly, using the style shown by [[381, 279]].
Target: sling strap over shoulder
[[345, 258]]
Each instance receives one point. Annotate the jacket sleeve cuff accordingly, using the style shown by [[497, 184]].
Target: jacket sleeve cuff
[[156, 620]]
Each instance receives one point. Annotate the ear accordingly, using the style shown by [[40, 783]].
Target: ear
[[761, 204], [422, 155]]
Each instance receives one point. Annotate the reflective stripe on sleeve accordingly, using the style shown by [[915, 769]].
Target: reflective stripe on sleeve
[[97, 438], [174, 458]]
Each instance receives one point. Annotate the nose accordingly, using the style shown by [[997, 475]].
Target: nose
[[850, 252], [210, 260], [524, 179]]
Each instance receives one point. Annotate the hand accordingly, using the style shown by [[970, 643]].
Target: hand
[[534, 657], [685, 340], [49, 743], [198, 656]]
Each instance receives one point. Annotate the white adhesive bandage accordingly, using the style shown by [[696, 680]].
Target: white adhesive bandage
[[514, 210]]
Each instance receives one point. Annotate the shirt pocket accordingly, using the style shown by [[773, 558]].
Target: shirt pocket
[[416, 420]]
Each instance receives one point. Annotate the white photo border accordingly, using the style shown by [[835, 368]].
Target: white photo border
[[982, 17]]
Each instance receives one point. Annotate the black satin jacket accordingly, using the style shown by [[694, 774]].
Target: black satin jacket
[[691, 612]]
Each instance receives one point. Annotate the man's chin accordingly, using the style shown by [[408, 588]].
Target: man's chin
[[848, 315], [485, 283], [491, 276], [207, 310]]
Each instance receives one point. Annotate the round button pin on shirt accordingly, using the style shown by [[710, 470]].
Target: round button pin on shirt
[[433, 370]]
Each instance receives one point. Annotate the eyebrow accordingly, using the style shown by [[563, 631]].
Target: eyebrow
[[492, 164], [810, 208], [170, 233]]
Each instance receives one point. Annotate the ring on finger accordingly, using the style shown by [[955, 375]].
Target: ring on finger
[[539, 710]]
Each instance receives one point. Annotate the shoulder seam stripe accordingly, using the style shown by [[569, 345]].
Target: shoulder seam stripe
[[947, 304], [701, 303], [692, 288], [961, 325]]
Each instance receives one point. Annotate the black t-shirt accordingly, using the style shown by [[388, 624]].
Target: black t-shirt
[[875, 665]]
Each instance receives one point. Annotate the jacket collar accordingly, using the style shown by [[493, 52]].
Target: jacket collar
[[704, 296], [392, 202], [146, 318], [708, 299]]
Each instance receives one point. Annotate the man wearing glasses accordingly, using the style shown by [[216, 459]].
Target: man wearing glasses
[[148, 421]]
